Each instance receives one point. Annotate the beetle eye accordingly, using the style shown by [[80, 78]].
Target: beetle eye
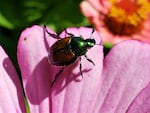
[[90, 42]]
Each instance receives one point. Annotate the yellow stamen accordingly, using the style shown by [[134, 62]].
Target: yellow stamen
[[129, 14]]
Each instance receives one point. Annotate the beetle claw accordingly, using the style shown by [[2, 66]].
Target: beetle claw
[[70, 34], [52, 35]]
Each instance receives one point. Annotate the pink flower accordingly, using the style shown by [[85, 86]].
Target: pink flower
[[118, 20], [11, 93], [119, 83]]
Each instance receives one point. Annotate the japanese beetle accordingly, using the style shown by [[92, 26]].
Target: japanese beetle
[[66, 51]]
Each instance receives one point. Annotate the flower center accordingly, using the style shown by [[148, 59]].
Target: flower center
[[126, 17]]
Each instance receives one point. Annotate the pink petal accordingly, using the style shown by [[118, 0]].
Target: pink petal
[[88, 10], [32, 54], [97, 5], [126, 73], [11, 94], [71, 93], [142, 102]]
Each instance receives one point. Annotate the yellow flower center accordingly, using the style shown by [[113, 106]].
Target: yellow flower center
[[126, 17]]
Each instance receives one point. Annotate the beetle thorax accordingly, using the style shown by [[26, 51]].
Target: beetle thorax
[[79, 46]]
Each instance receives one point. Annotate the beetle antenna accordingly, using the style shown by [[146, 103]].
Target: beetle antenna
[[101, 42], [56, 76], [52, 35], [92, 32]]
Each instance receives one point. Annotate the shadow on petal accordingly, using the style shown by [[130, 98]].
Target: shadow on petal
[[13, 76], [67, 76], [38, 85]]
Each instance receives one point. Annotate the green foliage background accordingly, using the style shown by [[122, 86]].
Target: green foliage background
[[16, 15]]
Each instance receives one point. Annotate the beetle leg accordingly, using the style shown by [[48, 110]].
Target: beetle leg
[[52, 35], [56, 76], [70, 34], [89, 60], [81, 68]]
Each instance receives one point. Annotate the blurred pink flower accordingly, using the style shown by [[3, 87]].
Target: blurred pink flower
[[118, 20], [120, 83]]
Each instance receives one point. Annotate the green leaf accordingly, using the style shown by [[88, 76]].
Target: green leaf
[[54, 13], [61, 15], [5, 23]]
